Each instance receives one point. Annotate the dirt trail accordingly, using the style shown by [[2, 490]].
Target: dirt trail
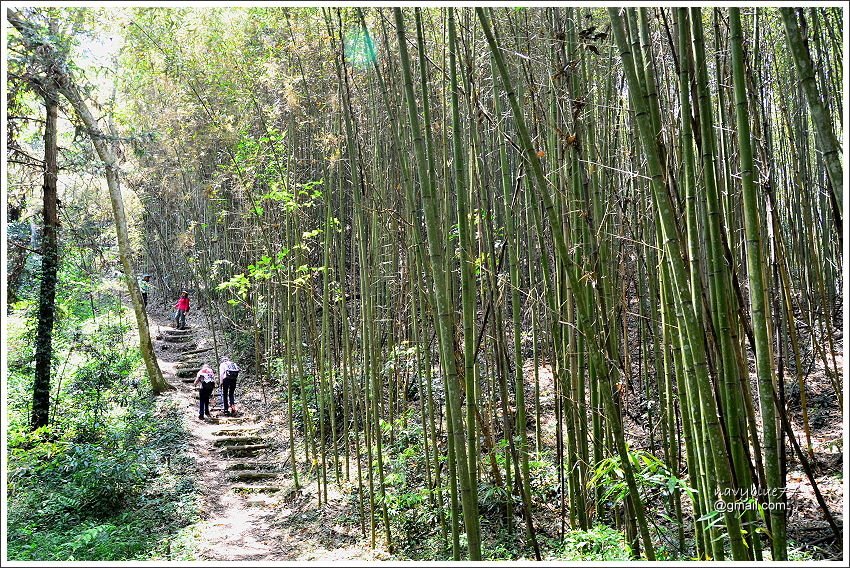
[[250, 508]]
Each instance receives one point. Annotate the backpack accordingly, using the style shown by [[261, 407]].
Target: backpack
[[208, 378], [231, 371]]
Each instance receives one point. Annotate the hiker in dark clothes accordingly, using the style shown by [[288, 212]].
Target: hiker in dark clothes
[[206, 379], [228, 371]]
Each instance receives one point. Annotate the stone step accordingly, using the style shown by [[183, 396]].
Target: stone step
[[236, 431], [247, 476], [254, 466], [260, 500], [189, 363], [170, 347], [178, 347], [177, 338], [193, 351], [188, 372], [218, 418], [255, 488], [224, 419], [187, 331], [215, 403], [188, 380], [243, 441], [243, 450]]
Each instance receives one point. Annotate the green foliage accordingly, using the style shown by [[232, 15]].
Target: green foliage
[[77, 294], [266, 266], [116, 498], [599, 543], [505, 545], [308, 410], [103, 376], [239, 283], [20, 330], [802, 553], [543, 473], [108, 478], [493, 500], [411, 504], [105, 476], [652, 477], [263, 269], [257, 161]]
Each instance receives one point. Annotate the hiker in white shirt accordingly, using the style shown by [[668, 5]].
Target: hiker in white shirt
[[206, 380]]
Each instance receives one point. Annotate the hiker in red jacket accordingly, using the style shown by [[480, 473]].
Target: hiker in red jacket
[[182, 307]]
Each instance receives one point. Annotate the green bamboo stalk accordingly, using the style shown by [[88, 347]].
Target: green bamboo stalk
[[561, 248], [467, 259], [445, 315], [758, 292], [829, 144], [694, 331]]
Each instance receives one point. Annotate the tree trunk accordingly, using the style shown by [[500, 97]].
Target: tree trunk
[[49, 268]]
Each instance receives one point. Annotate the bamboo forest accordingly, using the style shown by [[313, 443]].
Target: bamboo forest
[[327, 283]]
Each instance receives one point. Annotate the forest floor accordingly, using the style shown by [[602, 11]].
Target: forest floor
[[825, 414], [251, 511]]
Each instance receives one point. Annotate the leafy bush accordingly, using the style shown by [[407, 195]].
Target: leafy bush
[[493, 500], [104, 477], [408, 497], [118, 497], [108, 479], [412, 506], [652, 477], [600, 543], [103, 378]]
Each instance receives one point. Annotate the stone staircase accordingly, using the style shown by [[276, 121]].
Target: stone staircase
[[241, 450]]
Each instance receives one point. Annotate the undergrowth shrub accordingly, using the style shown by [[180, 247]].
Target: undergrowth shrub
[[414, 508], [118, 497], [599, 543], [109, 479]]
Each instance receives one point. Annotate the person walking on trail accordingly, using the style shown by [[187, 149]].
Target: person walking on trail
[[145, 287], [206, 379], [228, 371], [182, 307]]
